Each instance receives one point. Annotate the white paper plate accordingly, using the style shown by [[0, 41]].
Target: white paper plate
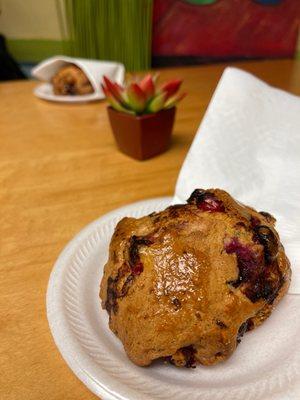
[[265, 366], [45, 92]]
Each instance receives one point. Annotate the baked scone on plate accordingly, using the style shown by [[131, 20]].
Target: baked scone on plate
[[186, 283], [70, 80]]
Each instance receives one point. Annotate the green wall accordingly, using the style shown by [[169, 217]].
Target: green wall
[[35, 49]]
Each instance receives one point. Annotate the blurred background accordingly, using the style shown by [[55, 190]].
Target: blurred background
[[146, 33]]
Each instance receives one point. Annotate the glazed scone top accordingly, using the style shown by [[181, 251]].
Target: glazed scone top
[[183, 283]]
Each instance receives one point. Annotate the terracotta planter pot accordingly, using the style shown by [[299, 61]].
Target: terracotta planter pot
[[145, 136]]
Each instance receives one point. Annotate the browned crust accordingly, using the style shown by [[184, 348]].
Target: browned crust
[[71, 80], [167, 283]]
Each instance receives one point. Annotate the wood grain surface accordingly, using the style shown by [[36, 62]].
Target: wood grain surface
[[59, 170]]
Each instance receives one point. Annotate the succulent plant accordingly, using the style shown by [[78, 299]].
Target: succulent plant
[[143, 96]]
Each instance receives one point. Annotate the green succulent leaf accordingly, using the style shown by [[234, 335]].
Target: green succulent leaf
[[173, 100], [136, 97], [157, 103]]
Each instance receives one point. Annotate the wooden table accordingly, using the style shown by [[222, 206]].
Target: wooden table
[[59, 170]]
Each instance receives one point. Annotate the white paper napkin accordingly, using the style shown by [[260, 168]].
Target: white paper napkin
[[93, 69], [249, 145]]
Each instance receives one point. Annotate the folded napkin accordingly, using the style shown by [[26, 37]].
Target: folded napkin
[[93, 69], [249, 145]]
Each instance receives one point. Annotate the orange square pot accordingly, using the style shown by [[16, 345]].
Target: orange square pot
[[145, 136]]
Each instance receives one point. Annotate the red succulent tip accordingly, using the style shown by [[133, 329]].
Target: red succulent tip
[[171, 87], [114, 89], [147, 86]]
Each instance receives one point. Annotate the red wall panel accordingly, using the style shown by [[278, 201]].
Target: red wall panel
[[227, 28]]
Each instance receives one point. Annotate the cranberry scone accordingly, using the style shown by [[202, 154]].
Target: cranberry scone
[[186, 283], [70, 81]]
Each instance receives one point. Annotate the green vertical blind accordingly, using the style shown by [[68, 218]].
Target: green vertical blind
[[118, 30]]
